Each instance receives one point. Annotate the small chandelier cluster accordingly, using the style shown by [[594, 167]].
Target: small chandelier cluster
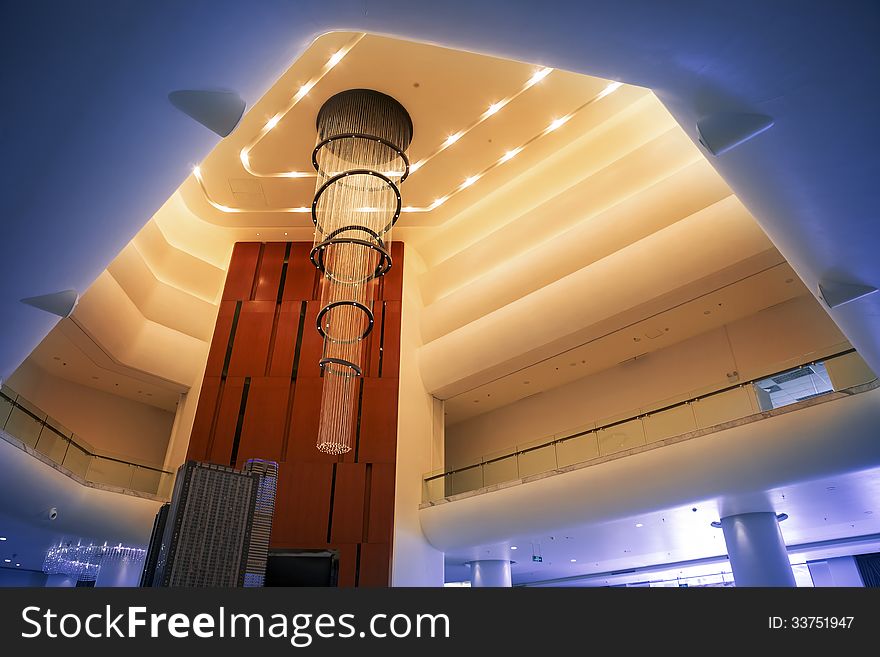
[[361, 160], [83, 562]]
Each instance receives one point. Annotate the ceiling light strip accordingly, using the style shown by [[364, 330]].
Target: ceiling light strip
[[509, 155], [244, 155]]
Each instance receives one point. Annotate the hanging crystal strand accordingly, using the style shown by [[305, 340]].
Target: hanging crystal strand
[[361, 161]]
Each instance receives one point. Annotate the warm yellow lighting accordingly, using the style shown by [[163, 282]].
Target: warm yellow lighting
[[469, 181], [296, 174], [540, 75], [510, 154], [494, 107], [451, 139], [245, 158], [271, 123], [610, 89], [303, 90], [336, 58], [416, 166], [197, 171], [557, 123], [409, 208], [438, 202]]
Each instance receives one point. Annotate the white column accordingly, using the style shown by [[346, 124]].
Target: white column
[[490, 573], [415, 562], [756, 550]]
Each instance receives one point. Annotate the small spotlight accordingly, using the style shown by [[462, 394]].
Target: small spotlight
[[2, 538], [540, 75], [336, 58], [573, 560], [558, 123], [494, 107], [513, 547], [638, 524], [7, 561], [509, 155]]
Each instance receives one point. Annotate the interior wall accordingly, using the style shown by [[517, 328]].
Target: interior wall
[[261, 398], [111, 425], [776, 338], [420, 425]]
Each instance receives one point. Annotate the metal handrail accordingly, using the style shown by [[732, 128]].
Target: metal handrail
[[45, 424], [609, 425]]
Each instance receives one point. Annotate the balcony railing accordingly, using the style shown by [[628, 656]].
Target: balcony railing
[[49, 440], [842, 372]]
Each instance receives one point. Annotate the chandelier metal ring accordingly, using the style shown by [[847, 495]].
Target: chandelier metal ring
[[319, 321]]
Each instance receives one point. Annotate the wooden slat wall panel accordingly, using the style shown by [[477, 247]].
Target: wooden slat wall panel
[[375, 564], [301, 273], [281, 358], [282, 408], [220, 341], [200, 439], [269, 276], [303, 505], [242, 269], [378, 443], [381, 514], [251, 346], [227, 421], [348, 503], [262, 434]]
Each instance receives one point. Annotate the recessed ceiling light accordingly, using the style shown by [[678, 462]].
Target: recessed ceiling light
[[540, 75], [573, 560], [7, 561], [510, 154], [558, 123], [610, 89], [285, 234], [2, 538], [18, 565], [336, 58], [258, 234], [494, 107], [638, 524], [513, 547]]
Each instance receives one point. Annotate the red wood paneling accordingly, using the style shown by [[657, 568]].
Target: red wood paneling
[[381, 512], [392, 282], [281, 358], [302, 510], [348, 503], [269, 275], [303, 433], [200, 439], [251, 346], [262, 433], [282, 412], [227, 420], [391, 344], [220, 341], [301, 273], [312, 344], [347, 564], [375, 564], [378, 441], [242, 268]]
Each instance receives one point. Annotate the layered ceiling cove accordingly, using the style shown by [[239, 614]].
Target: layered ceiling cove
[[566, 224]]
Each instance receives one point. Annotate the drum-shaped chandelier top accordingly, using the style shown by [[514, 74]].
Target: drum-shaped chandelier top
[[361, 160]]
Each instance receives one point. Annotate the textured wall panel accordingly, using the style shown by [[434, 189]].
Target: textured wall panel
[[261, 398]]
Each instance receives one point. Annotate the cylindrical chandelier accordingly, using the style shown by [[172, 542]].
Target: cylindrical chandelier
[[361, 160]]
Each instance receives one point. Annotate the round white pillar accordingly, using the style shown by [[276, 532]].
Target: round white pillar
[[491, 572], [756, 550]]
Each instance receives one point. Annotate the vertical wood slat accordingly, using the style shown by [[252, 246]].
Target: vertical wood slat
[[242, 269]]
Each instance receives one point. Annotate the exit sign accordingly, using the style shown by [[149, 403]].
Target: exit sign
[[537, 559]]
